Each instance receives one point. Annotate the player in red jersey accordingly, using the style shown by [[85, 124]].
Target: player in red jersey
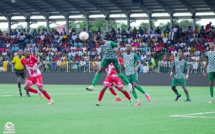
[[111, 80], [32, 64]]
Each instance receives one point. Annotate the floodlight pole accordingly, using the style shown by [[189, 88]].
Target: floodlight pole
[[87, 22], [47, 23], [67, 24], [194, 20], [28, 23], [107, 22], [128, 19], [150, 21], [171, 20], [9, 24]]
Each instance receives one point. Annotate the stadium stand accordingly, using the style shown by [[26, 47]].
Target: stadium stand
[[64, 52]]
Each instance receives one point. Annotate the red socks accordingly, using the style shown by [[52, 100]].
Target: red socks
[[101, 94], [32, 90], [46, 94], [112, 91], [126, 94]]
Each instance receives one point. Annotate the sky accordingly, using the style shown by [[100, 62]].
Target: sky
[[4, 26]]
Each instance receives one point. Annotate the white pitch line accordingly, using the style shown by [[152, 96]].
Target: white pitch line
[[194, 115], [6, 95], [187, 116]]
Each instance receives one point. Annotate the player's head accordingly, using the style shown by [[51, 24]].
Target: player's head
[[20, 52], [27, 52], [179, 54], [99, 40], [211, 45], [128, 48]]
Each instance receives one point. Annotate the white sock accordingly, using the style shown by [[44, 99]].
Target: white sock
[[38, 92], [117, 96], [137, 100]]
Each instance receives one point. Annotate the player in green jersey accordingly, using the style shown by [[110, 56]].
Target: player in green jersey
[[178, 69], [130, 59], [210, 66], [109, 50]]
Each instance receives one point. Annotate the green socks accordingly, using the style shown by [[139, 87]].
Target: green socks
[[96, 78], [134, 93], [212, 91], [187, 95], [140, 89], [177, 93], [122, 76]]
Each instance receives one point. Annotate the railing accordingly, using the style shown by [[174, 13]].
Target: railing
[[163, 67], [194, 67], [6, 66]]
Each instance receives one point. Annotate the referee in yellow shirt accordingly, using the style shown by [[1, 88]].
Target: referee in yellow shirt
[[18, 68]]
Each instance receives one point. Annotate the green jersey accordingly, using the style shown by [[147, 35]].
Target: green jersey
[[129, 62], [180, 67], [210, 55], [107, 50]]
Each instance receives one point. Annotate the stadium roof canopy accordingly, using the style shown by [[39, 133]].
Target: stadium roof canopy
[[69, 8]]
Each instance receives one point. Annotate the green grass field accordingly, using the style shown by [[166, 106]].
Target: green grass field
[[74, 112]]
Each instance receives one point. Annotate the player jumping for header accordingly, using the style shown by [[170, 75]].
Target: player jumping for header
[[110, 55]]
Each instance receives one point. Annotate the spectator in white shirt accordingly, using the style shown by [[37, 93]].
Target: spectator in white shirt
[[128, 31]]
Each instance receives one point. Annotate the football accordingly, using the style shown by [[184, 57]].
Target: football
[[83, 36]]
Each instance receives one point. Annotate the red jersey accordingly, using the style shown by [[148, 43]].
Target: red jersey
[[31, 65], [111, 69]]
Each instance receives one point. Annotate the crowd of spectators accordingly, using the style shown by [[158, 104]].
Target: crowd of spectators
[[65, 52]]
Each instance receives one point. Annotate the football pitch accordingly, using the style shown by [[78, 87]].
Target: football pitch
[[75, 112]]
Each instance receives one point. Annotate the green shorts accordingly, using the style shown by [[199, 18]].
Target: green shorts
[[132, 78], [211, 76], [106, 62], [176, 81]]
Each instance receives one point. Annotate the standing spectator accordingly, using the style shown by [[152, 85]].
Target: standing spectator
[[167, 30], [62, 65], [208, 27], [64, 31], [1, 33], [141, 31], [113, 31], [82, 64], [99, 31], [202, 30], [119, 31], [158, 31], [172, 36], [73, 32], [128, 32], [134, 32]]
